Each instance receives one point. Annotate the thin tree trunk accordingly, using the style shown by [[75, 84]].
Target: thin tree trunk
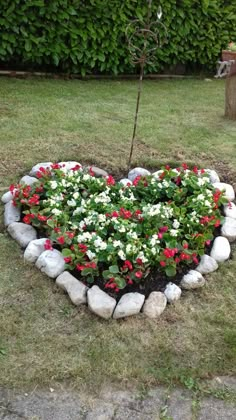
[[230, 97]]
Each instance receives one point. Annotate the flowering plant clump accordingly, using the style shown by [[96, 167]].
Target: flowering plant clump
[[231, 47], [120, 233]]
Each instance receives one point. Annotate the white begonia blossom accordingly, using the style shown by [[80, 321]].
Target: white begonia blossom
[[76, 195], [53, 184], [71, 203], [56, 212], [176, 224], [174, 232], [90, 254], [118, 244], [122, 255]]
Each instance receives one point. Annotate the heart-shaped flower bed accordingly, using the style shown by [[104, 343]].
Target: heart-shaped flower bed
[[131, 235]]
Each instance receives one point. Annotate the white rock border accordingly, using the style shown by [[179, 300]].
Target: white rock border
[[51, 262]]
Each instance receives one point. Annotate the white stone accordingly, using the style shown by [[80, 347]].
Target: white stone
[[192, 280], [125, 181], [172, 292], [230, 210], [51, 263], [28, 180], [213, 175], [155, 304], [207, 265], [228, 229], [11, 214], [99, 173], [69, 165], [34, 249], [100, 302], [22, 233], [35, 168], [129, 304], [229, 191], [221, 249], [6, 197], [137, 172], [76, 290]]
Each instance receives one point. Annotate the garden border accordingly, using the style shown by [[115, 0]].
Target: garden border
[[52, 262]]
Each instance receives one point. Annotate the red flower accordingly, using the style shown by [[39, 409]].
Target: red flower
[[184, 256], [42, 218], [185, 246], [160, 235], [57, 229], [170, 253], [76, 168], [130, 282], [208, 242], [34, 200], [27, 218], [139, 261], [83, 248], [184, 166], [127, 264], [217, 223], [91, 172], [110, 180], [12, 188], [67, 260], [70, 234], [136, 180], [61, 240], [139, 274], [195, 170], [163, 263], [163, 229], [177, 260], [126, 214], [167, 167], [55, 166], [114, 214], [48, 245]]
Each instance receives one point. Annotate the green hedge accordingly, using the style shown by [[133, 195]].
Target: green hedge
[[88, 36]]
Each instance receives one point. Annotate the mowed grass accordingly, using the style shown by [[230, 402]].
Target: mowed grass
[[44, 340]]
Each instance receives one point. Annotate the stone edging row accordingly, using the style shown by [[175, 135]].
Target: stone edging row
[[52, 262]]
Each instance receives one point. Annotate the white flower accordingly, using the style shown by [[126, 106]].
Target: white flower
[[90, 254], [76, 195], [174, 232], [176, 224], [56, 212], [118, 244], [122, 255], [71, 203], [53, 184], [207, 203]]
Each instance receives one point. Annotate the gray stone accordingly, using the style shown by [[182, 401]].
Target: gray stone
[[172, 292], [22, 233], [51, 263], [155, 304], [129, 304], [229, 191], [125, 182], [99, 173], [100, 302], [192, 280], [11, 214], [69, 165], [28, 180], [34, 249], [207, 265], [76, 290], [221, 249], [137, 172], [35, 169], [125, 413], [179, 405], [213, 175], [214, 409], [6, 197], [228, 229], [230, 210]]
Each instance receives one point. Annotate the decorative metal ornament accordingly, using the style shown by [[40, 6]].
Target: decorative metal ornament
[[143, 41]]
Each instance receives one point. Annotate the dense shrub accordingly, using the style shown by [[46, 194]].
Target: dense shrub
[[85, 36]]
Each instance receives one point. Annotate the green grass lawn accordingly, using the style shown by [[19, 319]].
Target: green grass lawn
[[43, 338]]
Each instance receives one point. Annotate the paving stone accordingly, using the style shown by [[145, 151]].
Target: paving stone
[[180, 405], [214, 409], [103, 411], [124, 413]]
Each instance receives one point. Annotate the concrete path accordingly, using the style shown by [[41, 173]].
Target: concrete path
[[158, 404]]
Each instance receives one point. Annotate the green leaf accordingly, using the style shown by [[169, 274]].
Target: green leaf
[[66, 252], [170, 271], [114, 269], [28, 45]]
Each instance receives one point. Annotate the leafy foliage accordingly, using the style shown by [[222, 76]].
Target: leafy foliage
[[119, 233], [89, 36]]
